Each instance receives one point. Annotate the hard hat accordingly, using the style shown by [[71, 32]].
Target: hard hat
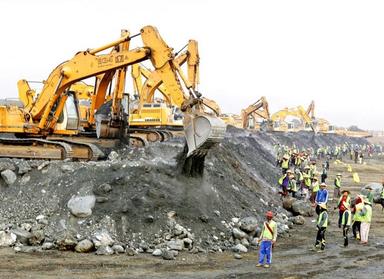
[[315, 178], [323, 184], [289, 171], [345, 191], [269, 214], [285, 156], [323, 205]]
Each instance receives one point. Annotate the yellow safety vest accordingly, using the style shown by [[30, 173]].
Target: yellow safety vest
[[347, 222], [321, 217], [367, 218], [315, 186], [357, 216], [284, 164], [266, 234]]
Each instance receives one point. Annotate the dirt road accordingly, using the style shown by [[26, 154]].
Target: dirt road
[[292, 257]]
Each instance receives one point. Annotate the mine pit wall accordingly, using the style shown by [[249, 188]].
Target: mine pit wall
[[135, 190]]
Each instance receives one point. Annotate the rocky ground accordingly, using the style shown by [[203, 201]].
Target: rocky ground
[[138, 204]]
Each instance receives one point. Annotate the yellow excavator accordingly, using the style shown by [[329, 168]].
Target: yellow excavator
[[279, 117], [257, 115], [26, 128]]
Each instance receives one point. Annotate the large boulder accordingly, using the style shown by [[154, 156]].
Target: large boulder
[[22, 235], [9, 176], [248, 224], [176, 244], [102, 238], [23, 167], [287, 203], [304, 208], [104, 250], [238, 234], [239, 248], [81, 206], [377, 188], [84, 246], [66, 241], [7, 238]]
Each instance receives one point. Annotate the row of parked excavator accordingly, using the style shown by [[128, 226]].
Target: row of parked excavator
[[257, 117], [72, 119]]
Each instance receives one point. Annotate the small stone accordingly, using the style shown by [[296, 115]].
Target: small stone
[[104, 250], [67, 168], [100, 199], [43, 165], [118, 249], [157, 253], [167, 254], [204, 218], [240, 248], [171, 214], [217, 212], [47, 246], [113, 156], [130, 251], [9, 177], [237, 256], [149, 219]]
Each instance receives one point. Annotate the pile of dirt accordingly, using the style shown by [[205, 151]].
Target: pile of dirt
[[139, 200]]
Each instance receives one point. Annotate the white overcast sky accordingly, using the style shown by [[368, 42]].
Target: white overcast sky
[[292, 52]]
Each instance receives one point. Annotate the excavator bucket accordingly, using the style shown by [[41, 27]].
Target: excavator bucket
[[202, 131]]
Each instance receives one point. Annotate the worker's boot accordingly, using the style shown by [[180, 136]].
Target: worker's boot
[[358, 236]]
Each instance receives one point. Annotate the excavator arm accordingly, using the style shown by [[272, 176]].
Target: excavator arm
[[258, 109], [49, 104]]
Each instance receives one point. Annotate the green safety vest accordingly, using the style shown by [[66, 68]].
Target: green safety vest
[[344, 220], [284, 164], [321, 217], [292, 185], [367, 217], [337, 182], [307, 181], [281, 179], [357, 216], [266, 234], [315, 186], [382, 193]]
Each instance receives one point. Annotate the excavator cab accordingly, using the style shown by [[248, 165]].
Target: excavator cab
[[69, 118]]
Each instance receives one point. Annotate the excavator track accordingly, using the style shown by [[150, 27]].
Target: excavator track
[[35, 149], [48, 149], [82, 150]]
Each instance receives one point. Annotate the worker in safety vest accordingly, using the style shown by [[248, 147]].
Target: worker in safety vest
[[284, 183], [322, 224], [366, 213], [337, 184], [267, 240], [357, 217], [321, 197], [292, 186], [315, 187], [369, 194], [340, 205], [285, 163], [306, 185], [346, 221]]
